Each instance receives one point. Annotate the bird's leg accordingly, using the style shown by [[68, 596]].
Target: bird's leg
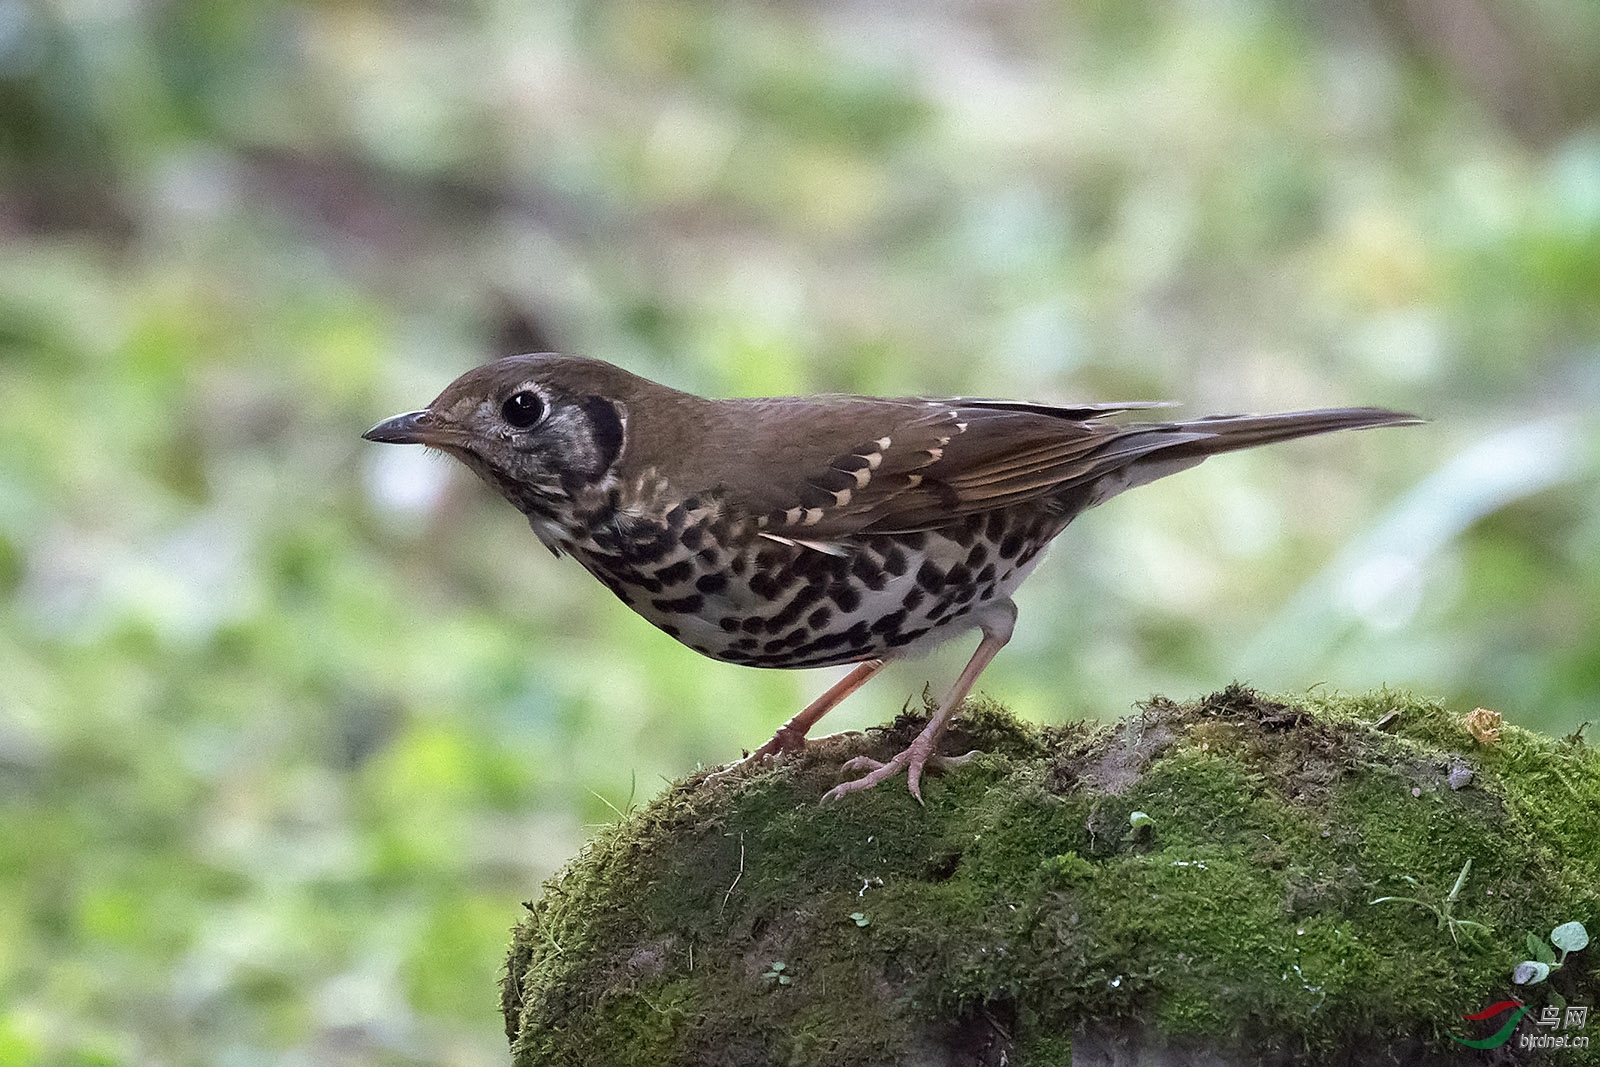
[[791, 736], [997, 622]]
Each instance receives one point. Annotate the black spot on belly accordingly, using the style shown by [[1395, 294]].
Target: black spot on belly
[[817, 566], [738, 564], [987, 574], [715, 582], [822, 643], [730, 623], [913, 599], [788, 616], [746, 643], [772, 659], [890, 622], [677, 572], [1011, 547], [683, 605], [828, 660], [653, 550], [668, 629], [819, 618], [798, 605], [894, 561], [930, 577], [870, 574], [976, 557], [959, 576], [845, 596], [753, 625], [644, 583], [909, 636], [692, 537]]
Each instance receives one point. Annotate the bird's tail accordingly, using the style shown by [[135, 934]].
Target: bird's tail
[[1226, 433], [1140, 454]]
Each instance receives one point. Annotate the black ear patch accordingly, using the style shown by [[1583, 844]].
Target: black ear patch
[[605, 425]]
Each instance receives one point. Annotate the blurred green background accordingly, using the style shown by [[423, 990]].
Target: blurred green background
[[290, 723]]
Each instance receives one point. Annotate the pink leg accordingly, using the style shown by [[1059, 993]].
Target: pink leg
[[791, 736], [997, 623]]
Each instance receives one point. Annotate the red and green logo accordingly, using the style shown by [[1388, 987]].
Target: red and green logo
[[1500, 1036]]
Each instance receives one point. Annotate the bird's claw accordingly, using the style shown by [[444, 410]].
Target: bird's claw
[[777, 745], [915, 758], [783, 743]]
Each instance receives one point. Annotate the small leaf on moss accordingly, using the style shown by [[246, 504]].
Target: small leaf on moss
[[1139, 820], [1539, 950], [1569, 937], [860, 918], [1529, 972]]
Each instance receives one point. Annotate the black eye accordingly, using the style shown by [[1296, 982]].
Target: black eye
[[522, 409]]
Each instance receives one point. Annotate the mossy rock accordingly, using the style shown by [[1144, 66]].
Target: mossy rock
[[1019, 917]]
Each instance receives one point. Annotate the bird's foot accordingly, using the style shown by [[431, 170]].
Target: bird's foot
[[780, 743], [914, 759], [784, 742]]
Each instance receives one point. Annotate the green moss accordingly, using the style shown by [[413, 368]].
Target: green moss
[[1019, 907]]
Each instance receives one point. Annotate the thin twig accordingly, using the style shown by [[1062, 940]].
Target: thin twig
[[736, 877]]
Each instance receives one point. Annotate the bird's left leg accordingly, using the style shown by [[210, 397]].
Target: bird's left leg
[[996, 621]]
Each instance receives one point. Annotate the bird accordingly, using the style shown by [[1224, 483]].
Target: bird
[[813, 531]]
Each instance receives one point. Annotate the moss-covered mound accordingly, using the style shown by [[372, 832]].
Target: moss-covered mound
[[1027, 909]]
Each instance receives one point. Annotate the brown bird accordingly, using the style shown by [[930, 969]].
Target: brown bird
[[812, 531]]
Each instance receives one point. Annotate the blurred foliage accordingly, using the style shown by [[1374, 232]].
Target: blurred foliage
[[289, 723]]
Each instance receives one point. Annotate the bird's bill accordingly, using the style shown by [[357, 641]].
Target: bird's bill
[[412, 428]]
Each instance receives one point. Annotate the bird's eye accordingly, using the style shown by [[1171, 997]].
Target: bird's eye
[[522, 409]]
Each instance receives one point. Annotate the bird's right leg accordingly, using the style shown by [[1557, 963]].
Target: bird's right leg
[[791, 736]]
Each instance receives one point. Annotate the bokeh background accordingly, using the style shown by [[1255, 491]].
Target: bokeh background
[[290, 723]]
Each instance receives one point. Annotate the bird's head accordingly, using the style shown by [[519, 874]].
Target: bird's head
[[539, 428]]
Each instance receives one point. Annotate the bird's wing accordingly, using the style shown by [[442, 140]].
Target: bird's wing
[[940, 460]]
